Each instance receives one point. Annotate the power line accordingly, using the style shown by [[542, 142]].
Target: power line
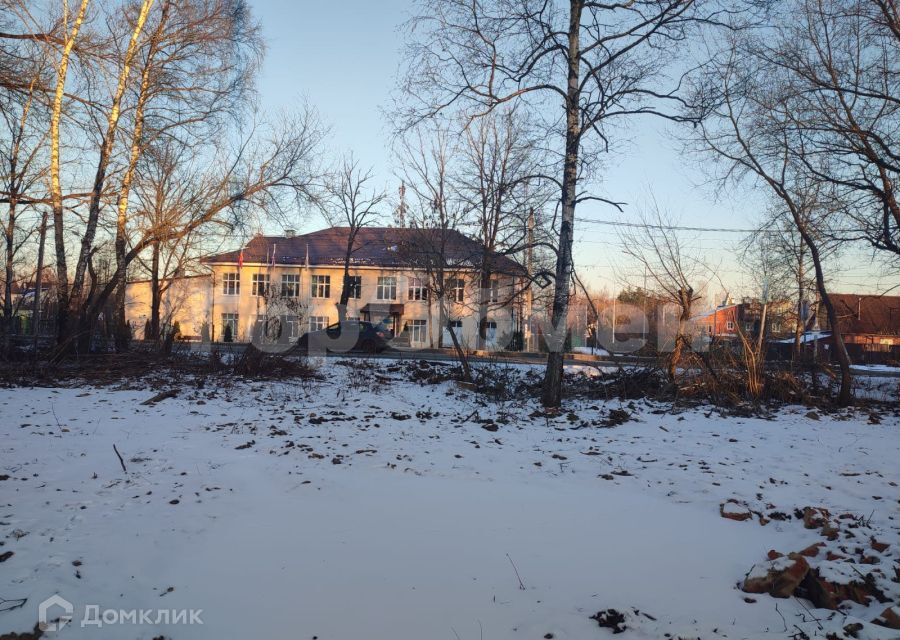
[[664, 227]]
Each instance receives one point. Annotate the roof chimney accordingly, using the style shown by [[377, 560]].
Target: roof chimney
[[290, 233]]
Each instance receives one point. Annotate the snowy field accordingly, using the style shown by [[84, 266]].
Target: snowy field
[[371, 506]]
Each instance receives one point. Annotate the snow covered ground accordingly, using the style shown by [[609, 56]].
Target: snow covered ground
[[370, 506]]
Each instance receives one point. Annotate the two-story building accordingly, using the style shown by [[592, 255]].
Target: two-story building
[[296, 281]]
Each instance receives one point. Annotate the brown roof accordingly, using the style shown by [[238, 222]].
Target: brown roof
[[375, 246], [861, 314]]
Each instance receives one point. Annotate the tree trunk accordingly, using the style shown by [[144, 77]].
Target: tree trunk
[[14, 186], [681, 337], [155, 294], [483, 302], [76, 305], [800, 325], [9, 274], [845, 392], [62, 273], [345, 287], [551, 395], [463, 358], [38, 283], [122, 333], [761, 339]]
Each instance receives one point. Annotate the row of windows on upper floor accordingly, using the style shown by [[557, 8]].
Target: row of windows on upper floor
[[320, 287]]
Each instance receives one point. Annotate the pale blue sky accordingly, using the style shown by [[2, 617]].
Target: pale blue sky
[[343, 57]]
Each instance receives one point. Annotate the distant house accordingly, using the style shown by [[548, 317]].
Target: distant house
[[869, 324], [185, 300], [23, 295], [296, 281], [726, 321]]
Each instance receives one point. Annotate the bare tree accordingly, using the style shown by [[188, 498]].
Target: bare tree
[[585, 67], [840, 62], [165, 193], [21, 174], [754, 134], [70, 31], [673, 270], [267, 171], [196, 66], [349, 200], [71, 301], [433, 218], [788, 269], [498, 178]]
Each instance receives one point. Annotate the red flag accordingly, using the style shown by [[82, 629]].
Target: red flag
[[241, 259]]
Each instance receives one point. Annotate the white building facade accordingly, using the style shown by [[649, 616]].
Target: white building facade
[[292, 284]]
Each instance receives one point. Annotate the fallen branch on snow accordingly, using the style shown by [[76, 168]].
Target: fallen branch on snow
[[162, 395], [121, 461]]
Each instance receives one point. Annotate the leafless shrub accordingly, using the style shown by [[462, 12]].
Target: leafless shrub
[[257, 364]]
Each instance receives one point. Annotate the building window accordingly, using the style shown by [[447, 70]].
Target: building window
[[490, 331], [318, 323], [418, 331], [455, 326], [266, 328], [290, 285], [293, 326], [354, 286], [320, 287], [229, 327], [417, 289], [260, 284], [387, 288], [231, 284], [494, 294], [748, 327], [456, 289], [729, 326]]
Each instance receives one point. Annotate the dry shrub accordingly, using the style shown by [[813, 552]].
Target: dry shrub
[[740, 378], [257, 364], [624, 384], [426, 372], [498, 381]]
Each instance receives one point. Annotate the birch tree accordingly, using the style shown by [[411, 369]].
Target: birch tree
[[268, 170], [70, 32], [129, 79], [72, 303], [584, 68], [195, 76]]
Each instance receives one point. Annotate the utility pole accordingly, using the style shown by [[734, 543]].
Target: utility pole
[[614, 321], [644, 300], [36, 310]]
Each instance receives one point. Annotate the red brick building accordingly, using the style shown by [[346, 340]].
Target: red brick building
[[724, 322], [869, 324]]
